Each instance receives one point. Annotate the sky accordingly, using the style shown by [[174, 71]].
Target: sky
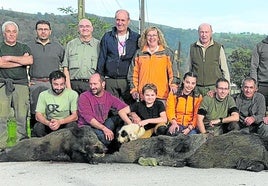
[[235, 16]]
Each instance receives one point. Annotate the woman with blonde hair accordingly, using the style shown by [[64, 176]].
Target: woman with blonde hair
[[153, 63]]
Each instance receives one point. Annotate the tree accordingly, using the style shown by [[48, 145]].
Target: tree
[[100, 27], [239, 62]]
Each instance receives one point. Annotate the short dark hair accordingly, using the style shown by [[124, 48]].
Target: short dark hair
[[42, 22], [222, 80], [56, 75]]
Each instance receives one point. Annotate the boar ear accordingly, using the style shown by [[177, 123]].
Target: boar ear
[[78, 131]]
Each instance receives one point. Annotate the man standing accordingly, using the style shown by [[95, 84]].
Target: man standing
[[259, 67], [14, 91], [47, 56], [117, 49], [215, 113], [94, 106], [81, 56], [56, 107], [207, 59], [251, 106]]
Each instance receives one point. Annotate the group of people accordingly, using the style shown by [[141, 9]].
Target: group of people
[[124, 78]]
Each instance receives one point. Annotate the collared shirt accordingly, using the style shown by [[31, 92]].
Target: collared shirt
[[81, 58], [222, 59], [46, 58]]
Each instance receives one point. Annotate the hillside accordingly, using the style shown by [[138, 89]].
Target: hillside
[[60, 27]]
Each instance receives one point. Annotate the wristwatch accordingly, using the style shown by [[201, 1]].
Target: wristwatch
[[221, 120]]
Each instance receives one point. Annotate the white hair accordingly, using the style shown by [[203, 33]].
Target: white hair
[[9, 23]]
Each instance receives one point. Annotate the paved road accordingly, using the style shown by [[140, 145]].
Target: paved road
[[81, 174]]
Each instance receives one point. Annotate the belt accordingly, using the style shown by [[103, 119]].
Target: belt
[[41, 79], [83, 80]]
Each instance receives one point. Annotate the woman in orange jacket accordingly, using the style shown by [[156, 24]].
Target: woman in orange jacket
[[153, 63], [182, 107]]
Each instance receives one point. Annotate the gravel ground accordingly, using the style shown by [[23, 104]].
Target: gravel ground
[[81, 174]]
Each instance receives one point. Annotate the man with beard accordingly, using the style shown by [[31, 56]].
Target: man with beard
[[56, 107], [94, 106]]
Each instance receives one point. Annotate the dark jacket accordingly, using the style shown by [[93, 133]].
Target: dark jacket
[[256, 109], [259, 62], [109, 62]]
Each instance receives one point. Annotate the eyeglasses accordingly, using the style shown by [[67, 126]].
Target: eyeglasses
[[43, 29], [221, 88], [154, 35], [84, 26]]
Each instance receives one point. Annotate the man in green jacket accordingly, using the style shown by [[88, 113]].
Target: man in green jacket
[[207, 59]]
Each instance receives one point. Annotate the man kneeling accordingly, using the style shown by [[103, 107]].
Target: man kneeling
[[215, 113], [251, 106], [56, 107]]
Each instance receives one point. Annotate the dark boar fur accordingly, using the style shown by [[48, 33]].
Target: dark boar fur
[[71, 144], [232, 150], [168, 151]]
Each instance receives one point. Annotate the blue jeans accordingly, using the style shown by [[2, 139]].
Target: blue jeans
[[191, 132], [113, 124], [181, 128]]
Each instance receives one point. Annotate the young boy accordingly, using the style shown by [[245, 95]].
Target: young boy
[[151, 112]]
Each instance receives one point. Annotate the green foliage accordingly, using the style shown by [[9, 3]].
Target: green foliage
[[68, 10], [100, 27], [64, 28], [239, 65], [62, 25]]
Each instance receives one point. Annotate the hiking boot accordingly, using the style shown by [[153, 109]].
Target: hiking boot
[[147, 161]]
